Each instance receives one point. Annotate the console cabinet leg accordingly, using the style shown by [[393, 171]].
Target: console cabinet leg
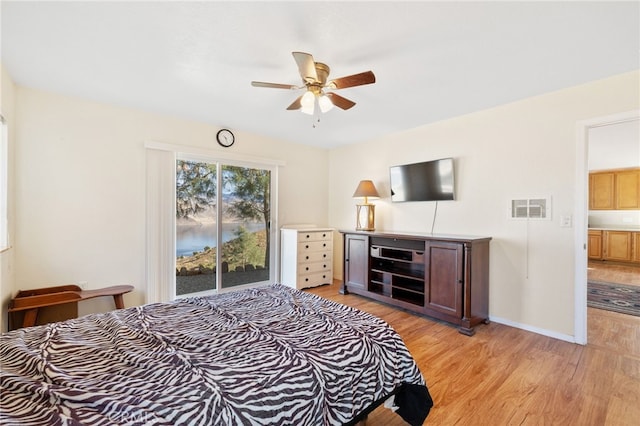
[[467, 331]]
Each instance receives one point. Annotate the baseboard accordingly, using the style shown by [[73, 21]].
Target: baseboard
[[542, 331]]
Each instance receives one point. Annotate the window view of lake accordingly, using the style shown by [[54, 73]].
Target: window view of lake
[[238, 198], [195, 237]]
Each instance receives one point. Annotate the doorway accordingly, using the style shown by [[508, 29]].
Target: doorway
[[585, 130], [223, 217]]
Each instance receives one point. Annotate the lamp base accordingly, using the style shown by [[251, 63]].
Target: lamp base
[[365, 217]]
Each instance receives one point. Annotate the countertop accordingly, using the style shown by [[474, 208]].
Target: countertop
[[631, 228]]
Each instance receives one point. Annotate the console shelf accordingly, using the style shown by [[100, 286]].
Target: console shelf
[[441, 276]]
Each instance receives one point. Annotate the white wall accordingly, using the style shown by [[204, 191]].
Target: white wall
[[523, 149], [80, 188], [7, 276]]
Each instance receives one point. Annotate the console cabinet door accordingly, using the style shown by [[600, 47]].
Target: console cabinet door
[[356, 261], [444, 277]]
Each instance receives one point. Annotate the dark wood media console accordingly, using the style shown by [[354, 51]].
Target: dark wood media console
[[440, 276]]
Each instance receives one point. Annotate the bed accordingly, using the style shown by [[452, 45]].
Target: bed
[[269, 355]]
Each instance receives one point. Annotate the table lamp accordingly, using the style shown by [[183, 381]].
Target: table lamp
[[365, 213]]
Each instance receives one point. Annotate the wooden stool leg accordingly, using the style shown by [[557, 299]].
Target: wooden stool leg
[[119, 301]]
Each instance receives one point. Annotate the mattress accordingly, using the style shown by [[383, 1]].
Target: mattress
[[265, 356]]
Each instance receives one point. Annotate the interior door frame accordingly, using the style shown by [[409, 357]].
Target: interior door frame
[[160, 213], [582, 214]]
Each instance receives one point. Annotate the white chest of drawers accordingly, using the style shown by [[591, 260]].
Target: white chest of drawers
[[306, 258]]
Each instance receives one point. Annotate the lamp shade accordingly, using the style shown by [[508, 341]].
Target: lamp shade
[[324, 103], [366, 189], [307, 103]]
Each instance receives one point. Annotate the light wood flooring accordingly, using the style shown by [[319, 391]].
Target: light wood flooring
[[507, 376], [614, 272]]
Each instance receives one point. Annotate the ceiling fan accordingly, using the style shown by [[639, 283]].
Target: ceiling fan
[[314, 78]]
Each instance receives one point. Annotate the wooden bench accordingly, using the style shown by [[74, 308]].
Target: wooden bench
[[28, 302]]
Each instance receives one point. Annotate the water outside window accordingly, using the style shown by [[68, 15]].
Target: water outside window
[[235, 218]]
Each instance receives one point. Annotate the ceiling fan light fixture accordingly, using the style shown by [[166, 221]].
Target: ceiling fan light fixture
[[307, 103], [308, 99], [325, 103]]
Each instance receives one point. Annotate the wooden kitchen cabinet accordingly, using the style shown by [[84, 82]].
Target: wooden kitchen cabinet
[[595, 244], [627, 186], [636, 247], [617, 245], [601, 191], [614, 189], [614, 245]]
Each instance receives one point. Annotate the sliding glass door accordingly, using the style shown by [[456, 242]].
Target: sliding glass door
[[223, 233]]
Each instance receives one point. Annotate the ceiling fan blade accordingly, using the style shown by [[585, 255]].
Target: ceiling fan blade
[[273, 85], [353, 80], [339, 101], [296, 104], [306, 66]]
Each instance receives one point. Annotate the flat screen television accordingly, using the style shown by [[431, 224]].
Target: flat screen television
[[426, 181]]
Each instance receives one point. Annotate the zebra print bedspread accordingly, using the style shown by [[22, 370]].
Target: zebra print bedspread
[[272, 355]]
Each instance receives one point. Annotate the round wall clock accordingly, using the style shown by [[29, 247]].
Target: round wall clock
[[225, 137]]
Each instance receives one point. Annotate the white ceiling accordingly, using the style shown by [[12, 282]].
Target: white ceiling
[[432, 60]]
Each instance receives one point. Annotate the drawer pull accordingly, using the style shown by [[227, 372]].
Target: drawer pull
[[308, 236], [307, 246], [307, 257], [307, 268]]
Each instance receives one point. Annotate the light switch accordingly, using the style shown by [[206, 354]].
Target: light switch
[[566, 221]]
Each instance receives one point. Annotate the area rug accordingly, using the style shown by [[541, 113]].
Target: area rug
[[621, 298]]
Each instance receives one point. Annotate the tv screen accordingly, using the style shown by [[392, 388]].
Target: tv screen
[[426, 181]]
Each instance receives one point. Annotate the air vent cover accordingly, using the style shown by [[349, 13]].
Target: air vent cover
[[531, 208]]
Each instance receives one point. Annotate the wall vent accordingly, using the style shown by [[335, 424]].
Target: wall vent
[[531, 208]]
